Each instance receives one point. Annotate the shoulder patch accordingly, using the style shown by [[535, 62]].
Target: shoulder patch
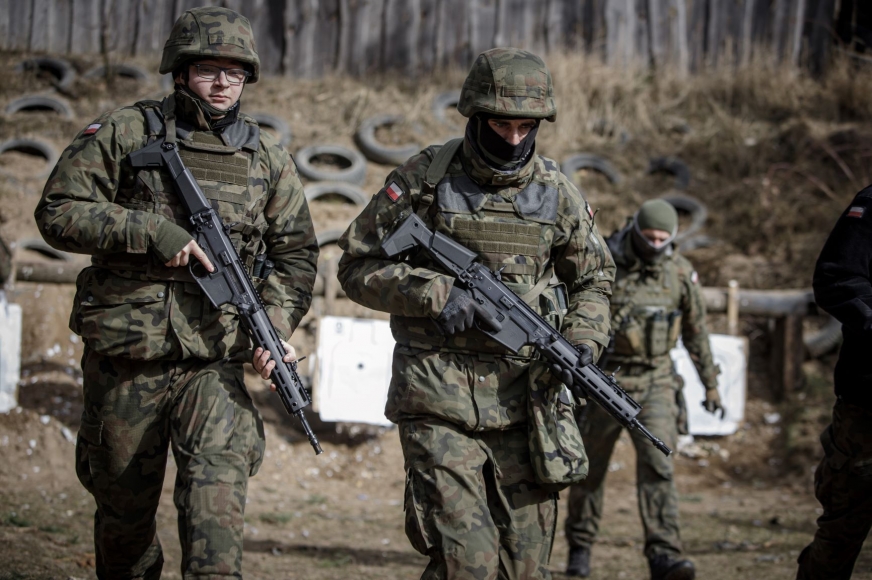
[[694, 277], [589, 209], [856, 211], [394, 191], [91, 129]]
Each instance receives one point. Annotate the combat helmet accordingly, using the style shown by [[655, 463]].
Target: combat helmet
[[210, 32], [509, 82]]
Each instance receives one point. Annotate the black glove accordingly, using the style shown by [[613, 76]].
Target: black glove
[[585, 357], [459, 312]]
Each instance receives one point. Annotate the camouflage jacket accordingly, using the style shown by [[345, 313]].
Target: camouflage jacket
[[652, 306], [128, 304], [528, 241]]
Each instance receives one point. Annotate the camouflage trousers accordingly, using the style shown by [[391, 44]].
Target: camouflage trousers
[[657, 496], [472, 505], [843, 486], [134, 411]]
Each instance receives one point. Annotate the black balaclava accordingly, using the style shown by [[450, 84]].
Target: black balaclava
[[208, 112], [496, 151]]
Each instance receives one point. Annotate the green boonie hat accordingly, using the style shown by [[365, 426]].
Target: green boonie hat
[[508, 82], [210, 32], [657, 214]]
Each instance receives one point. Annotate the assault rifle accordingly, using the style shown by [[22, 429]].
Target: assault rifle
[[511, 322], [229, 283]]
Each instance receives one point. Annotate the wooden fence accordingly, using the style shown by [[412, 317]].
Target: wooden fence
[[309, 38]]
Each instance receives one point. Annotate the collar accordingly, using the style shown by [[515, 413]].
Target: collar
[[194, 111]]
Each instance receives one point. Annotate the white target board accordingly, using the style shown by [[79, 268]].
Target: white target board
[[730, 353], [10, 353], [354, 369]]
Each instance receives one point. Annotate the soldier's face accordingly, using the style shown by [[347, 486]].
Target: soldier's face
[[512, 130], [656, 237], [218, 92]]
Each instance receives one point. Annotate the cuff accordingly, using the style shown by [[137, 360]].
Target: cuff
[[169, 239]]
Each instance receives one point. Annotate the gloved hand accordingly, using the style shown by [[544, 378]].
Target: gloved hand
[[712, 402], [459, 312], [585, 357]]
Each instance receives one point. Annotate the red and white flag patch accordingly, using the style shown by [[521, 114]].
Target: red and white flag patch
[[856, 211], [394, 191], [694, 277], [589, 210], [91, 129]]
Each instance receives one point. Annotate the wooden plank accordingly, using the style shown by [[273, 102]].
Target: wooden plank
[[565, 21], [714, 33], [59, 37], [326, 37], [621, 25], [429, 11], [696, 34], [641, 34], [402, 20], [41, 24], [363, 50], [746, 41], [516, 24], [678, 23], [482, 26], [268, 19], [820, 26], [154, 22], [85, 30], [4, 24], [20, 14], [298, 57], [779, 28], [658, 32], [453, 33]]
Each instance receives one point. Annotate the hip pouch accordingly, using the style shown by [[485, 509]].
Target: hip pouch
[[556, 448]]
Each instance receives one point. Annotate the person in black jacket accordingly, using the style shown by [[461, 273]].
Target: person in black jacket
[[843, 480]]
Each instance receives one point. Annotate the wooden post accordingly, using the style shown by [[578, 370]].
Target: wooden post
[[733, 308], [787, 355]]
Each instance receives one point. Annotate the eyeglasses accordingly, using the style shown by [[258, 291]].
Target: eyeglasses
[[210, 72]]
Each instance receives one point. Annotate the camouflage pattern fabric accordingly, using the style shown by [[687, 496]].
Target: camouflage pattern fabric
[[509, 82], [133, 412], [162, 366], [843, 486], [210, 32], [652, 305], [465, 392], [472, 505], [658, 498], [656, 304]]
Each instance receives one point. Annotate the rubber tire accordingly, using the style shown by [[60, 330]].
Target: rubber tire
[[38, 245], [123, 70], [687, 244], [62, 70], [441, 102], [349, 191], [355, 174], [599, 164], [328, 237], [41, 101], [27, 145], [674, 166], [697, 210], [375, 151], [823, 340], [278, 125]]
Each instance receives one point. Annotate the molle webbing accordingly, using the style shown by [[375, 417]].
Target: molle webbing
[[221, 167], [498, 237]]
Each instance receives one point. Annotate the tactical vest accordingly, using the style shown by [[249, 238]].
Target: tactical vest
[[227, 168], [512, 236], [646, 311]]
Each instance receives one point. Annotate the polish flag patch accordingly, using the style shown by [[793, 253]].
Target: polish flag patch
[[589, 210], [394, 191], [856, 211], [694, 277], [91, 129]]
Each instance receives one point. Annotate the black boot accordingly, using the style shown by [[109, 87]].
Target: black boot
[[664, 567], [579, 562]]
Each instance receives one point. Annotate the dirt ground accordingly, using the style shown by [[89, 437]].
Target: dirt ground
[[775, 157]]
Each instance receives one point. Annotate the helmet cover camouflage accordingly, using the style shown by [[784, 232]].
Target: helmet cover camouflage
[[509, 82], [210, 32]]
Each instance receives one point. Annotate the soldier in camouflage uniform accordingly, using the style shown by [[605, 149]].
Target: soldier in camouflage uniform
[[161, 366], [656, 299], [843, 479], [472, 503]]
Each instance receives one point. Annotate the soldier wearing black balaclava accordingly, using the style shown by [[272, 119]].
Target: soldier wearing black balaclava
[[656, 299]]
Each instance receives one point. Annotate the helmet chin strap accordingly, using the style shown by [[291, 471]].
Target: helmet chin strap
[[645, 249]]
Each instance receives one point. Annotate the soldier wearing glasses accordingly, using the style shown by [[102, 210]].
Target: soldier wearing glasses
[[162, 368]]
